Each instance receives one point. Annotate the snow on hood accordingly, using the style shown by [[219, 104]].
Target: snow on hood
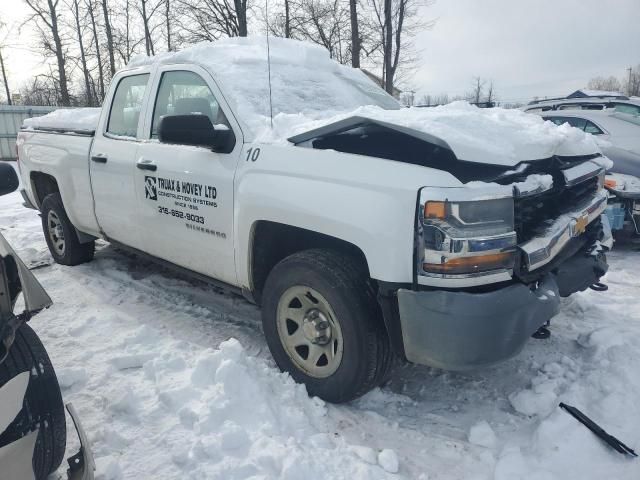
[[496, 136]]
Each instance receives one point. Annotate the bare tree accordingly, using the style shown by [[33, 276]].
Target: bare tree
[[75, 10], [107, 29], [167, 19], [633, 81], [5, 81], [491, 94], [41, 91], [610, 84], [355, 34], [207, 20], [4, 78], [326, 23], [397, 21], [126, 38], [147, 13], [477, 91], [96, 45], [46, 18]]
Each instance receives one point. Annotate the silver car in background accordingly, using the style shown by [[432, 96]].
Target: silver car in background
[[617, 131]]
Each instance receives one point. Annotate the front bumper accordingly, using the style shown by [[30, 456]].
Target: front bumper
[[460, 330], [457, 330]]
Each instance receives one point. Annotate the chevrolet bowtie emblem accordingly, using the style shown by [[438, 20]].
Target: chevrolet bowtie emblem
[[581, 224]]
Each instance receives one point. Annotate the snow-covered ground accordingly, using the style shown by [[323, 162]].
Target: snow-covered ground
[[173, 380]]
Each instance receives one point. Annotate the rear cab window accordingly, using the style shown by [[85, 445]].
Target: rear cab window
[[126, 106]]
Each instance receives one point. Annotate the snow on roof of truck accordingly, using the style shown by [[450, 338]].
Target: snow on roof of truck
[[304, 79]]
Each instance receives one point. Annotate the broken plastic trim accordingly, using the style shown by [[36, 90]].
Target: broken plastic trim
[[81, 465], [610, 440]]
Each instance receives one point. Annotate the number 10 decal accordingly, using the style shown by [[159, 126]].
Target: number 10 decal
[[253, 154]]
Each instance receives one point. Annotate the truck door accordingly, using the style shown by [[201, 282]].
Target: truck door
[[185, 193], [112, 161]]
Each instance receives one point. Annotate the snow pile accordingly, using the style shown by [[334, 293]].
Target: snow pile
[[309, 90], [482, 434], [85, 119], [163, 393]]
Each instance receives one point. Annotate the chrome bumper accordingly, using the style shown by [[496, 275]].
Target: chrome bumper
[[541, 250]]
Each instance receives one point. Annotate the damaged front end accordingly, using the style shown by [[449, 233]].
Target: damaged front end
[[492, 262], [493, 256]]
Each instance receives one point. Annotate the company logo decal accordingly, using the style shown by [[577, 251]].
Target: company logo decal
[[150, 190]]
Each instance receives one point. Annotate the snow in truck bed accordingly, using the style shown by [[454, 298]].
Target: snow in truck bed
[[310, 90], [85, 119]]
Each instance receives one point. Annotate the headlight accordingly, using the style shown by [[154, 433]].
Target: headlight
[[465, 232]]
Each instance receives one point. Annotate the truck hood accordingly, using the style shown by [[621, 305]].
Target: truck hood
[[498, 137]]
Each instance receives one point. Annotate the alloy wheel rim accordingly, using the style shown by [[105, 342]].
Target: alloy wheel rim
[[309, 331]]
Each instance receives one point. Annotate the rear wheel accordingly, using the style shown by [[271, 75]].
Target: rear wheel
[[43, 408], [323, 325], [61, 235]]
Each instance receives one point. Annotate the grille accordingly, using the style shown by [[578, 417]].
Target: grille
[[535, 213]]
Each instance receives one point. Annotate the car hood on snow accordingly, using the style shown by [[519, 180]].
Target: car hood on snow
[[490, 136]]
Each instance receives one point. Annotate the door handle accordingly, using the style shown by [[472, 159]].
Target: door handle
[[99, 158], [147, 165]]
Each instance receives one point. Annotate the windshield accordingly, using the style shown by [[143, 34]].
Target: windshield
[[304, 81]]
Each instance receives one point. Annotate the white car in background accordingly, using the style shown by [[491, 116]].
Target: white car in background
[[618, 135], [608, 102]]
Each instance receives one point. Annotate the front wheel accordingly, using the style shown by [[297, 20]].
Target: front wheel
[[60, 234], [42, 406], [323, 325]]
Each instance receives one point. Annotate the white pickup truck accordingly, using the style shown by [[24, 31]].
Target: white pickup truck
[[365, 231]]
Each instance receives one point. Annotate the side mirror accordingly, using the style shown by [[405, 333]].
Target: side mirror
[[195, 129], [8, 179]]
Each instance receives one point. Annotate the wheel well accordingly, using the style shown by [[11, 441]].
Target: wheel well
[[43, 185], [272, 242]]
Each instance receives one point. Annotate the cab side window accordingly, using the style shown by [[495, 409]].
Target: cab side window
[[592, 128], [185, 93], [126, 106]]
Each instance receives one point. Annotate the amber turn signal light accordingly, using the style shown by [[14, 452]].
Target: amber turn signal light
[[435, 210], [478, 263]]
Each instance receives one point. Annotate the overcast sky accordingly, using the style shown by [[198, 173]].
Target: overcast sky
[[527, 47]]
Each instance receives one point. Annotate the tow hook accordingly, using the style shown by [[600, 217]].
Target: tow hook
[[543, 332], [599, 287]]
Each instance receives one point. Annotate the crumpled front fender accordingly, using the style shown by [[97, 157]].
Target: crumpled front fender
[[35, 296]]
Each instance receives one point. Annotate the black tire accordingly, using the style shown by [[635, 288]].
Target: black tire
[[42, 407], [74, 252], [366, 356]]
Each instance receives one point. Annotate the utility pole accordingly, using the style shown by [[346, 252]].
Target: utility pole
[[629, 81], [4, 78]]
